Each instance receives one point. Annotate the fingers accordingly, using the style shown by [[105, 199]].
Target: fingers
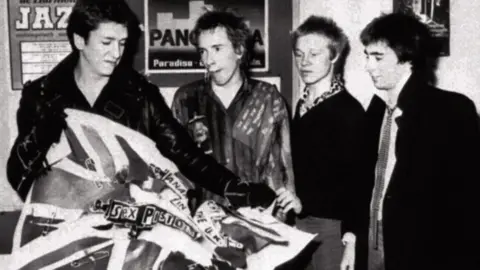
[[284, 196], [286, 201], [289, 206], [346, 264], [348, 258]]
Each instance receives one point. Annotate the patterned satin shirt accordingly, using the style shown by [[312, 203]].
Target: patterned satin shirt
[[251, 137]]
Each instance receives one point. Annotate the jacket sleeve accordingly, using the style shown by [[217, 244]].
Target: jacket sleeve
[[458, 194], [36, 133], [356, 193], [280, 156], [178, 108], [174, 142]]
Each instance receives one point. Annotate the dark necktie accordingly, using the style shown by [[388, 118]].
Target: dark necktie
[[380, 171]]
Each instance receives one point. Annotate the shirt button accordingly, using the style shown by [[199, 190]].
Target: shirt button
[[227, 160]]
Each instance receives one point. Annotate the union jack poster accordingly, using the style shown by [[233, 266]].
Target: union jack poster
[[112, 201]]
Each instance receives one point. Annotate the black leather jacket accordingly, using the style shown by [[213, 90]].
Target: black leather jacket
[[128, 99]]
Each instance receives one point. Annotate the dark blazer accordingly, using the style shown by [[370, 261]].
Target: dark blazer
[[327, 158], [431, 203]]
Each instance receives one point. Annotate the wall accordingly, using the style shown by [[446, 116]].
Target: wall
[[458, 72]]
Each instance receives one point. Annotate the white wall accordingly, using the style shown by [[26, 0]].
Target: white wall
[[8, 101], [458, 72]]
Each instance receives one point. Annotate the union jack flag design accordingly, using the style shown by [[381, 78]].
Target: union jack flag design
[[106, 179]]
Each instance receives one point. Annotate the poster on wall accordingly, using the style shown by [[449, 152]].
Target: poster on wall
[[435, 14], [168, 24], [38, 39]]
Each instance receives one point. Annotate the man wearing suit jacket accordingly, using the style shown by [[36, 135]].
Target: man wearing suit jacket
[[424, 152]]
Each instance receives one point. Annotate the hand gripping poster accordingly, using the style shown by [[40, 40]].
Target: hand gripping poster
[[169, 24]]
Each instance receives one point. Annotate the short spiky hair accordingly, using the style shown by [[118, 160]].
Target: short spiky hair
[[404, 34], [88, 14], [338, 45], [325, 27], [237, 30]]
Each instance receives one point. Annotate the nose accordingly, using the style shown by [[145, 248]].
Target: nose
[[116, 50], [305, 61], [370, 65], [207, 59]]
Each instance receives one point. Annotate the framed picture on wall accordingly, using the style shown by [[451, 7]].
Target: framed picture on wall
[[435, 14], [38, 39], [168, 25]]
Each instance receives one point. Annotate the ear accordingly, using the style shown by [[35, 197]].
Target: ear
[[239, 51], [334, 59], [79, 41]]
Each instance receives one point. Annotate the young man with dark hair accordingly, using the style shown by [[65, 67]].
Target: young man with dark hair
[[243, 123], [425, 151], [94, 78]]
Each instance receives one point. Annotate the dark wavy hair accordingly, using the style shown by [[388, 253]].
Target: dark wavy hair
[[88, 14], [409, 38], [237, 30], [338, 45]]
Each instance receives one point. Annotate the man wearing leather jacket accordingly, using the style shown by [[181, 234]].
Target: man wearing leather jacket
[[96, 77]]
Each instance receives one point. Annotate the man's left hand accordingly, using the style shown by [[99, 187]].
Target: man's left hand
[[348, 257]]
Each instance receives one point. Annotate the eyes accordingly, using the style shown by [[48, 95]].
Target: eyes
[[214, 49], [377, 57], [300, 54], [121, 43]]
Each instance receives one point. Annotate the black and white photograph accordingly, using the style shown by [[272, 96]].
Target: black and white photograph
[[239, 134]]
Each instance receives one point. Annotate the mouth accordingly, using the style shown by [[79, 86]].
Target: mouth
[[214, 72], [113, 63], [305, 72]]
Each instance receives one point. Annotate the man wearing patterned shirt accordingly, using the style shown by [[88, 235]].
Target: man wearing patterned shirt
[[240, 121]]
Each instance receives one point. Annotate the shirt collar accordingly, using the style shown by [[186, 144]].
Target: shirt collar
[[245, 88]]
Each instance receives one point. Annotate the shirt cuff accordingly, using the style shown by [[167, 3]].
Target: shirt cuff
[[348, 238]]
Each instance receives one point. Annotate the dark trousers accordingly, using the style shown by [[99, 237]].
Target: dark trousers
[[376, 256], [325, 251]]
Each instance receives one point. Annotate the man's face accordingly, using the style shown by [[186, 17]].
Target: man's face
[[218, 55], [312, 58], [383, 66], [103, 49]]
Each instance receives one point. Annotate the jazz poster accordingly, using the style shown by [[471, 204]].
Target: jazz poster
[[435, 14], [169, 24], [38, 39]]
